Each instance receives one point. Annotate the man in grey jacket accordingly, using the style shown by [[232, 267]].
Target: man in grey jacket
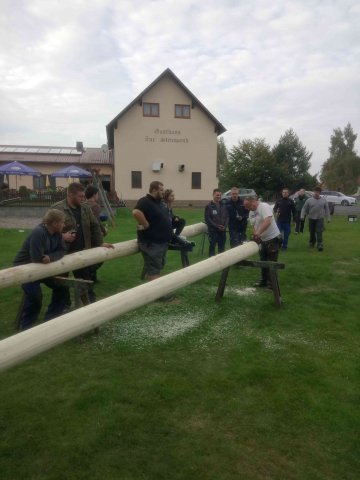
[[316, 209]]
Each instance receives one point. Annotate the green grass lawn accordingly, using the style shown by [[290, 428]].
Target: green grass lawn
[[193, 389]]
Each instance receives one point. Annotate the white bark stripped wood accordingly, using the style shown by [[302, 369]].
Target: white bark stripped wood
[[27, 344], [36, 271]]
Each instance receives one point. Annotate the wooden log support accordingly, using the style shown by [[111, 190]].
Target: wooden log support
[[27, 344], [35, 271], [184, 258], [183, 254], [273, 267], [222, 284]]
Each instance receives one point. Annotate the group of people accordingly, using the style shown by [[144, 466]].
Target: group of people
[[271, 227], [69, 226], [74, 224], [221, 215], [315, 208]]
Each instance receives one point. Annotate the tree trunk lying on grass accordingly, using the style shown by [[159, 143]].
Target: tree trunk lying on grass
[[27, 344], [36, 271]]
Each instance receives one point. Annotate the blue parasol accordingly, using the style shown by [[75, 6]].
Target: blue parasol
[[17, 168], [71, 172]]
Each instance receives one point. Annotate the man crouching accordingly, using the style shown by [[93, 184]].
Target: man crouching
[[43, 245]]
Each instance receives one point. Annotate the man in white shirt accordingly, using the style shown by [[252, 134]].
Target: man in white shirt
[[265, 232]]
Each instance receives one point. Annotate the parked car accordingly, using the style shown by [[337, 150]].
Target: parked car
[[338, 198], [309, 194], [243, 192]]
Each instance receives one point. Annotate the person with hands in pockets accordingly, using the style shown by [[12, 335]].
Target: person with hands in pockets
[[216, 219]]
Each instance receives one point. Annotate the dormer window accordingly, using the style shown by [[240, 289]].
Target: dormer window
[[182, 111], [151, 110]]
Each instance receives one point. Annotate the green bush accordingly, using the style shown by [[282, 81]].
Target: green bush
[[23, 191]]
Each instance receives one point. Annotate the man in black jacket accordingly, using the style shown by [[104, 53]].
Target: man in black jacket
[[284, 208], [43, 245], [238, 217], [216, 219]]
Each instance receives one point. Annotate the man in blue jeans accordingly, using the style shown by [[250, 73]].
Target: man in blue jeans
[[284, 209], [43, 245]]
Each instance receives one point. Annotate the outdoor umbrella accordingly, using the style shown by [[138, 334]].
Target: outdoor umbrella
[[17, 168], [71, 172]]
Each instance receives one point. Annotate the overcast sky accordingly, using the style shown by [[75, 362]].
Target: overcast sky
[[68, 67]]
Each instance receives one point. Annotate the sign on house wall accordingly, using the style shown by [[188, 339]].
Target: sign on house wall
[[166, 136]]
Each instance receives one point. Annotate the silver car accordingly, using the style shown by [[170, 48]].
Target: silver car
[[338, 198], [243, 192]]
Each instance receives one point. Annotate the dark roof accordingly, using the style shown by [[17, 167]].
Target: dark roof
[[219, 128], [25, 153]]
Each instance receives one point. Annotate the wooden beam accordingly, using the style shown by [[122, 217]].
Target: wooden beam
[[27, 344], [35, 271]]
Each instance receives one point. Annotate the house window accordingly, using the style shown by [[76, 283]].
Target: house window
[[39, 182], [151, 110], [196, 180], [51, 182], [182, 111], [136, 181]]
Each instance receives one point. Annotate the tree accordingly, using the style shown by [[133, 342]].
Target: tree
[[222, 156], [342, 168], [254, 164], [294, 159], [251, 164]]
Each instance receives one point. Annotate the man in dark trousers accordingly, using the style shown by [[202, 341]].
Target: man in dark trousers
[[316, 208], [43, 245], [284, 209], [154, 230], [237, 218], [216, 218], [82, 229], [92, 199], [265, 232], [299, 201]]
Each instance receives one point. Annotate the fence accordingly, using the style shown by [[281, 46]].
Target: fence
[[26, 197]]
